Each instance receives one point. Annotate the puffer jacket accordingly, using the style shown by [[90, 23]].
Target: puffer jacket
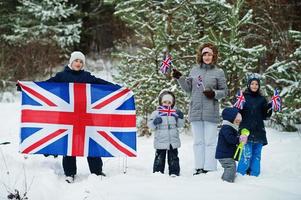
[[256, 109], [166, 133], [82, 76], [201, 107]]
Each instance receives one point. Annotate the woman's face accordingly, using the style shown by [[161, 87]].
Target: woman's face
[[77, 64], [207, 58], [254, 86]]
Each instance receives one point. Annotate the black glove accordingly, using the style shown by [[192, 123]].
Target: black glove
[[210, 94], [269, 105], [157, 120], [180, 114], [18, 87], [176, 74]]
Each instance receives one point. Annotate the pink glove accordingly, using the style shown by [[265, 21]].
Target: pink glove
[[243, 139]]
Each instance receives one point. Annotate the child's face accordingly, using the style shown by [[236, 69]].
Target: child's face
[[166, 103], [207, 58], [77, 64], [237, 119], [254, 86]]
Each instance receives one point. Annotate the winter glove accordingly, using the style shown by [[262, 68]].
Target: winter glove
[[210, 94], [18, 87], [269, 106], [176, 74], [180, 114], [243, 139], [157, 120]]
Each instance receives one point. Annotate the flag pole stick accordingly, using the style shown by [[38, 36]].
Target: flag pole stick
[[124, 164], [4, 160]]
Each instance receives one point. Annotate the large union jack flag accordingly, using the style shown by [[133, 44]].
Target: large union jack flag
[[77, 119]]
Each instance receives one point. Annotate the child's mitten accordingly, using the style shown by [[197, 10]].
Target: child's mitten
[[180, 114], [157, 120]]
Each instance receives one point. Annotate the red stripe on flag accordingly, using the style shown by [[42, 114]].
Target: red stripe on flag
[[38, 95], [115, 144], [109, 100], [79, 126], [70, 118], [44, 140]]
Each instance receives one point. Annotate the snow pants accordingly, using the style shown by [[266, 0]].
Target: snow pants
[[69, 165], [229, 166], [172, 160], [204, 144], [250, 159]]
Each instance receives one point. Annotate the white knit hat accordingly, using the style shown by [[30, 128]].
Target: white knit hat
[[77, 55], [167, 97]]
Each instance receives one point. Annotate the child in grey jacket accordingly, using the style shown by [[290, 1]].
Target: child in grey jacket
[[165, 121]]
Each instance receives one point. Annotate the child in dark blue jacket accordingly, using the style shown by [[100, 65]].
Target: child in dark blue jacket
[[255, 110], [228, 139], [74, 72]]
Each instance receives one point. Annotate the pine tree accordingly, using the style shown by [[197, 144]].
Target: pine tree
[[236, 58], [180, 27], [286, 76], [160, 26], [45, 21]]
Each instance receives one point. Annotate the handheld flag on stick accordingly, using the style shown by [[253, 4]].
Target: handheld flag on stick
[[239, 149], [200, 82], [167, 111], [240, 100], [276, 101], [166, 64]]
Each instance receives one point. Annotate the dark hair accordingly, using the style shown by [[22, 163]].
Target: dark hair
[[249, 84], [199, 56], [170, 93]]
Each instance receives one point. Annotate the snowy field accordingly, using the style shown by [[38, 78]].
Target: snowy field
[[43, 177]]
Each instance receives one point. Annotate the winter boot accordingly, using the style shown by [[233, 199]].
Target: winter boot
[[102, 174], [197, 172], [200, 171], [69, 179]]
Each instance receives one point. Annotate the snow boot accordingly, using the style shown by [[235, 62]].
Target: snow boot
[[69, 179]]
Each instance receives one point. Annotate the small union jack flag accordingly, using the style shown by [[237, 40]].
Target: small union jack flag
[[200, 82], [166, 63], [240, 100], [167, 111], [276, 101]]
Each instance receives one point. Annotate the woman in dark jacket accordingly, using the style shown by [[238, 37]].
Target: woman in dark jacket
[[256, 109], [74, 72]]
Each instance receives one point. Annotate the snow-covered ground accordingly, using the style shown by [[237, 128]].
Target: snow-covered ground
[[43, 177]]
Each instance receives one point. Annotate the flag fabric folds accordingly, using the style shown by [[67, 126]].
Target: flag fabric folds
[[167, 111], [276, 101], [166, 63], [77, 119], [240, 100]]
